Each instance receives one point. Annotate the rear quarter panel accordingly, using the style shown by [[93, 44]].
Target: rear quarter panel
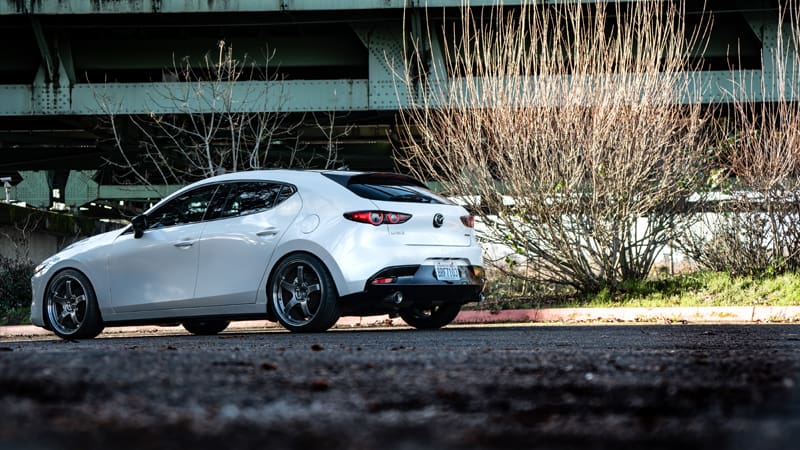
[[321, 230]]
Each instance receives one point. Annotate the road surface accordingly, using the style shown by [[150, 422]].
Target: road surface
[[560, 387]]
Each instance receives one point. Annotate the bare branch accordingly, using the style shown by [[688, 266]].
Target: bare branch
[[563, 128]]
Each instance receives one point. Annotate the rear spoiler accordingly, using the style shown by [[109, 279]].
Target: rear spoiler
[[385, 178]]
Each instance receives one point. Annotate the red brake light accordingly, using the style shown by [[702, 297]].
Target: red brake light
[[468, 221], [378, 217], [365, 217]]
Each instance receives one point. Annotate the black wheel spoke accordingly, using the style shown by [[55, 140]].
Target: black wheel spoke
[[70, 307], [302, 297]]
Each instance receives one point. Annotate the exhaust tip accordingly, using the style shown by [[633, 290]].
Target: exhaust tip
[[395, 297]]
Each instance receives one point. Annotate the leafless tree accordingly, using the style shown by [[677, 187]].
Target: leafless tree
[[332, 135], [753, 228], [211, 131], [570, 129]]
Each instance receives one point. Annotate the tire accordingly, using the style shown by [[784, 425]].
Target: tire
[[430, 318], [206, 327], [70, 306], [303, 296]]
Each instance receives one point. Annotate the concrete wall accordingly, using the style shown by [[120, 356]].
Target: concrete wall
[[36, 234], [35, 246]]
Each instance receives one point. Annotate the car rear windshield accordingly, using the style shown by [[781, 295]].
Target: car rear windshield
[[388, 187]]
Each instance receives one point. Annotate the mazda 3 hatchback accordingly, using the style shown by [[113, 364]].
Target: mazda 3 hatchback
[[299, 247]]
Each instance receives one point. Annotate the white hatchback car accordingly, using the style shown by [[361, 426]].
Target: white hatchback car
[[299, 247]]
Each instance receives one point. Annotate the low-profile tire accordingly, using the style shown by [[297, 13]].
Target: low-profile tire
[[70, 306], [302, 295], [430, 318], [206, 327]]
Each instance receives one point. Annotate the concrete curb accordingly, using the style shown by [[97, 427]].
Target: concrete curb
[[711, 314], [706, 314]]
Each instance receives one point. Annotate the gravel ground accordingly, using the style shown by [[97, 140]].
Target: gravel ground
[[653, 386]]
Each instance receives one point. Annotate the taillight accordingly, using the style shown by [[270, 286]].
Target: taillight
[[468, 221], [378, 217]]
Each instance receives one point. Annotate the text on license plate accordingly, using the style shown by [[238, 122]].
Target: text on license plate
[[447, 272]]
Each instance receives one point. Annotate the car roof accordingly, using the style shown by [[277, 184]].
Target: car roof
[[341, 177], [285, 175], [298, 175]]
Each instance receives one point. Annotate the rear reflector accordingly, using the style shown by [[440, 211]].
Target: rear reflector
[[384, 280], [378, 217]]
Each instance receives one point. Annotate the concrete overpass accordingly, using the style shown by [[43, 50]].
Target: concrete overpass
[[62, 56]]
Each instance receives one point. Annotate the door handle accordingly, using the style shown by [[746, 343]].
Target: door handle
[[272, 231], [184, 244]]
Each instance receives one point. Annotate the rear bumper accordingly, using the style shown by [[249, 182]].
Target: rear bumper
[[400, 287]]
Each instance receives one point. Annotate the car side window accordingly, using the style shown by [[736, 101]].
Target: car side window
[[217, 206], [189, 207], [251, 197], [286, 192]]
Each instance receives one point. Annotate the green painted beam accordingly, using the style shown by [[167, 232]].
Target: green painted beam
[[136, 192], [35, 189], [82, 189], [44, 48], [282, 96], [16, 100], [385, 45], [144, 98], [65, 59], [285, 96]]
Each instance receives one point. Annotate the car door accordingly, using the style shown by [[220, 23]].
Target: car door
[[159, 270], [239, 239]]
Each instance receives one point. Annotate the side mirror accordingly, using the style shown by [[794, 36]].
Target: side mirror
[[139, 224]]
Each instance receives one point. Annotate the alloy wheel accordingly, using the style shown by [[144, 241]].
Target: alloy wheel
[[298, 293], [67, 304]]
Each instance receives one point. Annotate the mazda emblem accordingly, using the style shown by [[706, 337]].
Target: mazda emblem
[[438, 220]]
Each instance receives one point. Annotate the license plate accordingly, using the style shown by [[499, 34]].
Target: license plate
[[447, 272]]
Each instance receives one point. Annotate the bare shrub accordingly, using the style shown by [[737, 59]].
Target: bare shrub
[[15, 290], [563, 127], [754, 229]]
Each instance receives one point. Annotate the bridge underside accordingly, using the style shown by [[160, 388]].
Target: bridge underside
[[68, 65]]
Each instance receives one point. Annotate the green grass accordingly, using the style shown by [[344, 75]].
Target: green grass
[[686, 290]]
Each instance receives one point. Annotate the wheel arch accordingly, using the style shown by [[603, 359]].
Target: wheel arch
[[283, 258], [94, 269], [312, 249]]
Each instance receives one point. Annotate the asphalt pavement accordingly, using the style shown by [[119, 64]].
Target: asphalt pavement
[[649, 386]]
